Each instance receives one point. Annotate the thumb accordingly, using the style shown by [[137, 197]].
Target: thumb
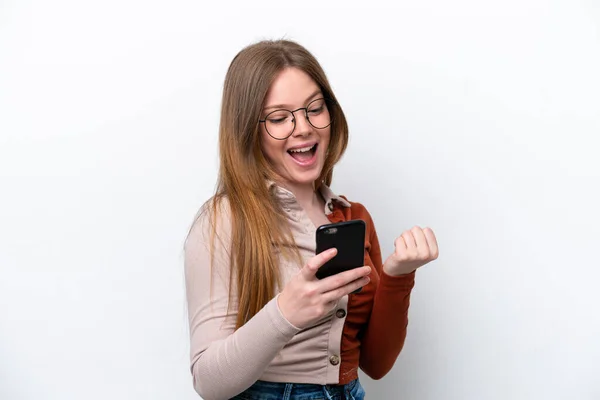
[[316, 262]]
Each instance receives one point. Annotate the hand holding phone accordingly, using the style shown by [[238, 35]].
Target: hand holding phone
[[305, 299]]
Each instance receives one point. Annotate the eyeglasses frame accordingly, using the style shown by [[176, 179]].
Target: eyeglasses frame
[[327, 101]]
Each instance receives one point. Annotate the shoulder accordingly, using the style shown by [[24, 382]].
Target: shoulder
[[207, 247], [212, 221], [358, 210]]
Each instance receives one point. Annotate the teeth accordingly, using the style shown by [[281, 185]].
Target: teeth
[[303, 150]]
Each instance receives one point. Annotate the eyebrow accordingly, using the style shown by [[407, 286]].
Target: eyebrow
[[318, 91]]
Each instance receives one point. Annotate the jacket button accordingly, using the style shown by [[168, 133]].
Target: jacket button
[[341, 313], [334, 360]]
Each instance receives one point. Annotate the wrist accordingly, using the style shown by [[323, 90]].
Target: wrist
[[278, 302], [395, 270]]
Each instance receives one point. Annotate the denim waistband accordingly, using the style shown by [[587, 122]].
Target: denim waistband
[[302, 391]]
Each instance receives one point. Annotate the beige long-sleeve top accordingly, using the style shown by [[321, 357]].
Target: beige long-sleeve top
[[225, 361]]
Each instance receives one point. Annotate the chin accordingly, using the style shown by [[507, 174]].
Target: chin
[[306, 178]]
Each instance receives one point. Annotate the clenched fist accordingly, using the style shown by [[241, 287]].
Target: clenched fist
[[414, 248], [306, 299]]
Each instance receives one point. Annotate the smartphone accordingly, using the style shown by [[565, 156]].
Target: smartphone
[[348, 238]]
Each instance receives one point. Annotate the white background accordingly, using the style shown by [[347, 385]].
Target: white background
[[477, 118]]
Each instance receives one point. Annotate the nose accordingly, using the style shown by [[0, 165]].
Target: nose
[[303, 127]]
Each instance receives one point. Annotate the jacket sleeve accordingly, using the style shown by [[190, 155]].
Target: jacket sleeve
[[225, 361], [385, 333]]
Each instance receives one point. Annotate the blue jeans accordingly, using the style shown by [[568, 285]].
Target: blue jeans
[[262, 390]]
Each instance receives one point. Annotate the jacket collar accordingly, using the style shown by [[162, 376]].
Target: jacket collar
[[288, 200]]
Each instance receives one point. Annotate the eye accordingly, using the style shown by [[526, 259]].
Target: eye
[[316, 110], [316, 107], [278, 117], [277, 120]]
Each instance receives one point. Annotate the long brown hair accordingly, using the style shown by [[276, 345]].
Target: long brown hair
[[258, 223]]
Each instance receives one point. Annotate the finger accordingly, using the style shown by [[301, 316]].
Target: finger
[[311, 267], [348, 288], [432, 242], [343, 278], [421, 241], [400, 245], [400, 248], [411, 245], [409, 240]]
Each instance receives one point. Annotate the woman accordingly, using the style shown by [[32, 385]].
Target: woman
[[262, 326]]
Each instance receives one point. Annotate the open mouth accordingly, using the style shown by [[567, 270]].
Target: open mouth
[[304, 155]]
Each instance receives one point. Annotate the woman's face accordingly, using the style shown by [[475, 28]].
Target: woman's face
[[299, 159]]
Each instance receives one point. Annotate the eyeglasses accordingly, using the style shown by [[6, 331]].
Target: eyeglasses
[[280, 124]]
